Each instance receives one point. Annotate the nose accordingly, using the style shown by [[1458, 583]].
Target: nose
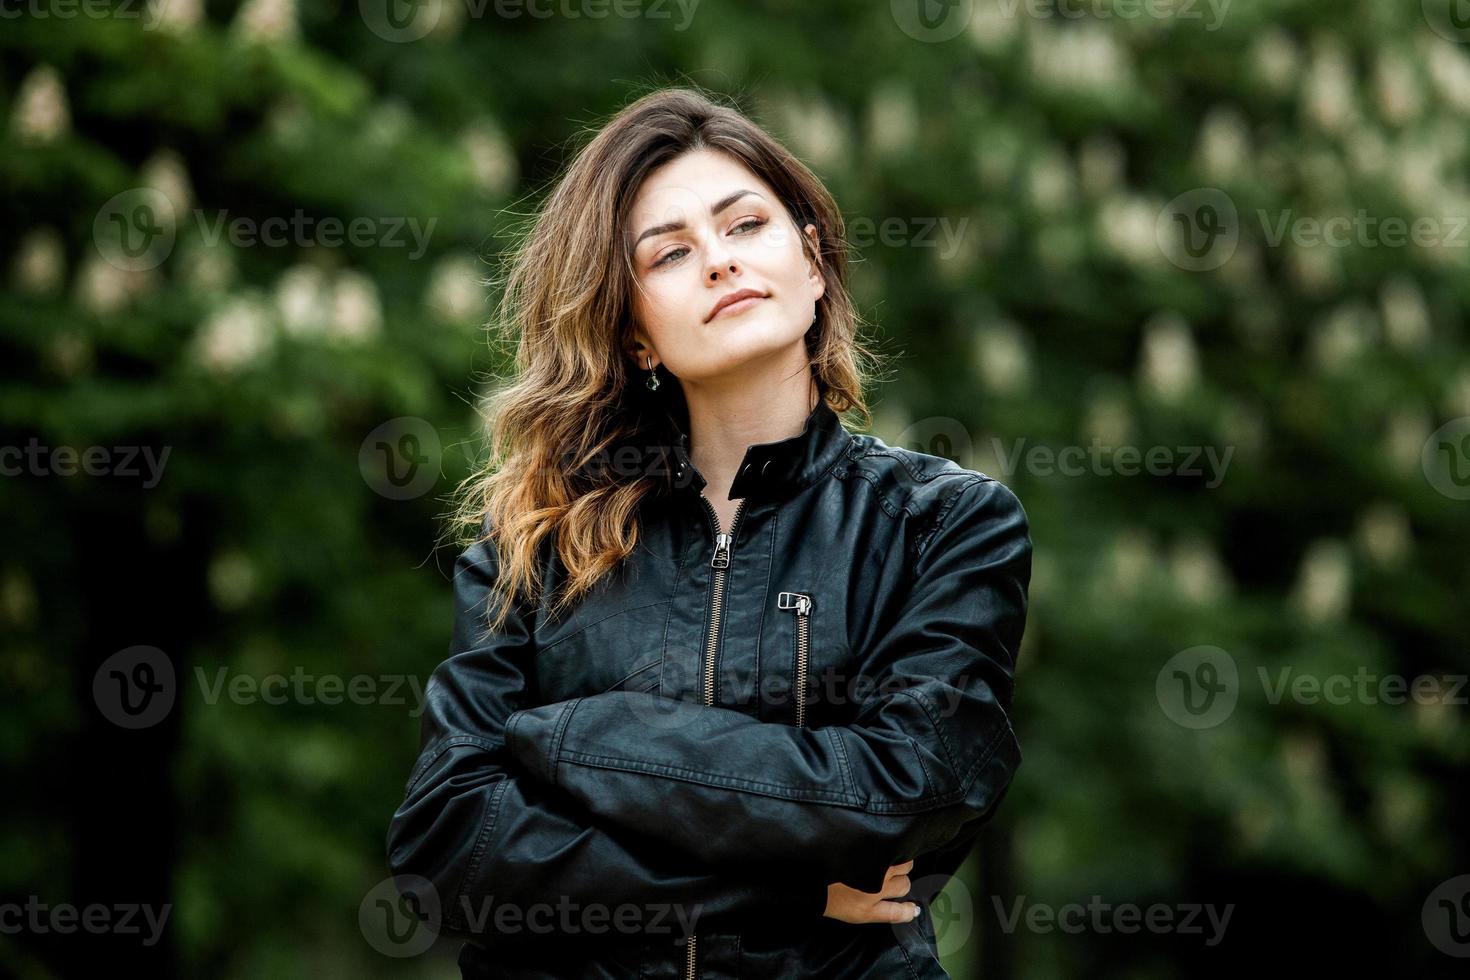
[[721, 264]]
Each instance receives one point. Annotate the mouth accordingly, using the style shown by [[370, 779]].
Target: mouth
[[736, 302]]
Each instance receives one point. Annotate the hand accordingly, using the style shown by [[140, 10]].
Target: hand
[[850, 905]]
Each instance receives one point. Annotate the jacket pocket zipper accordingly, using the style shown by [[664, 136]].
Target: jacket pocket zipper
[[802, 603], [720, 562]]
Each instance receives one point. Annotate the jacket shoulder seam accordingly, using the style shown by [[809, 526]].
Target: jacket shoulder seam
[[938, 523], [901, 460], [871, 481]]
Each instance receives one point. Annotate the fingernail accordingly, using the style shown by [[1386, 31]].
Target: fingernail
[[915, 914]]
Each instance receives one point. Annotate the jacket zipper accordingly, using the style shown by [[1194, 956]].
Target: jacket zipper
[[720, 562], [802, 603]]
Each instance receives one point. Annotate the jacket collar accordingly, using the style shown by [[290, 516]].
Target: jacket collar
[[772, 470]]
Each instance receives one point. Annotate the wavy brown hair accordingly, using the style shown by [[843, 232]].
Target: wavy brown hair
[[567, 306]]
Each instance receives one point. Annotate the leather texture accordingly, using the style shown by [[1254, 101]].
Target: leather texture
[[587, 761]]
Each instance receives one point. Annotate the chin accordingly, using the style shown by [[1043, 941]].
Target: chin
[[735, 351]]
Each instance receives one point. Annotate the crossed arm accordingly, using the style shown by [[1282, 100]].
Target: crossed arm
[[527, 804], [916, 767], [474, 832]]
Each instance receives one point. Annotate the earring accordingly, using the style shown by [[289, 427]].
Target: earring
[[652, 381]]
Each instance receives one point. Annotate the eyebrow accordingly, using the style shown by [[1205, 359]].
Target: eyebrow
[[719, 206]]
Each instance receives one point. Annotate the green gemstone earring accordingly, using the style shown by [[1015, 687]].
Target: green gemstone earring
[[652, 381]]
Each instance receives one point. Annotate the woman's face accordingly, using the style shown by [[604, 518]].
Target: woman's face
[[705, 228]]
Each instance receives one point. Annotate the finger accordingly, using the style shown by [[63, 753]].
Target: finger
[[894, 869], [886, 911], [896, 886]]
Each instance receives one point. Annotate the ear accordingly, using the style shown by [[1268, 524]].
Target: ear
[[814, 277], [641, 349]]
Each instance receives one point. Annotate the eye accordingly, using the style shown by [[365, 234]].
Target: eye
[[669, 256], [747, 226]]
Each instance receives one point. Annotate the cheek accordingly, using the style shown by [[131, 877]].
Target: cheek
[[662, 306], [778, 252]]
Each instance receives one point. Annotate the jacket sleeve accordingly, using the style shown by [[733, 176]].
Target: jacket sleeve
[[925, 759], [470, 836]]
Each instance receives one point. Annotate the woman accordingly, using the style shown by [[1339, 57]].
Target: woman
[[725, 679]]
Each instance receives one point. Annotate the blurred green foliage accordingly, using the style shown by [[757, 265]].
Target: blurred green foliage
[[1014, 196]]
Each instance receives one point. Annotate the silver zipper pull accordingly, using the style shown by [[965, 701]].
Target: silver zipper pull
[[799, 601], [721, 557]]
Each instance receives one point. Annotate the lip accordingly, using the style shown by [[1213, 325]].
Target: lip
[[741, 298]]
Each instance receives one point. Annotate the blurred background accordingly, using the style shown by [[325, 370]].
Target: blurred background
[[1189, 275]]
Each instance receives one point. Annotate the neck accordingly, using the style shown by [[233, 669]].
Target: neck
[[725, 419]]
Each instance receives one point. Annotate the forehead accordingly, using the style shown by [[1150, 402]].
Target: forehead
[[690, 184]]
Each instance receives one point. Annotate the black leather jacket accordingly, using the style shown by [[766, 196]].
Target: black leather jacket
[[591, 789]]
